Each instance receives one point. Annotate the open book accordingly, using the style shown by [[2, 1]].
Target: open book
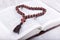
[[10, 19]]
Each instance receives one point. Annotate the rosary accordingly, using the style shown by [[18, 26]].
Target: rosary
[[17, 28]]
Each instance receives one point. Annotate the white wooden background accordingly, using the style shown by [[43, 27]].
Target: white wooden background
[[55, 4], [7, 3]]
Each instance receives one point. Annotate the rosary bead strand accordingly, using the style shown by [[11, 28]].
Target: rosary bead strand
[[18, 27]]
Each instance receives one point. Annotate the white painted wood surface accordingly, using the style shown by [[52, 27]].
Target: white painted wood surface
[[7, 3]]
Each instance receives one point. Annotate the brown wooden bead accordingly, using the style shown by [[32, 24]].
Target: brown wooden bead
[[23, 20]]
